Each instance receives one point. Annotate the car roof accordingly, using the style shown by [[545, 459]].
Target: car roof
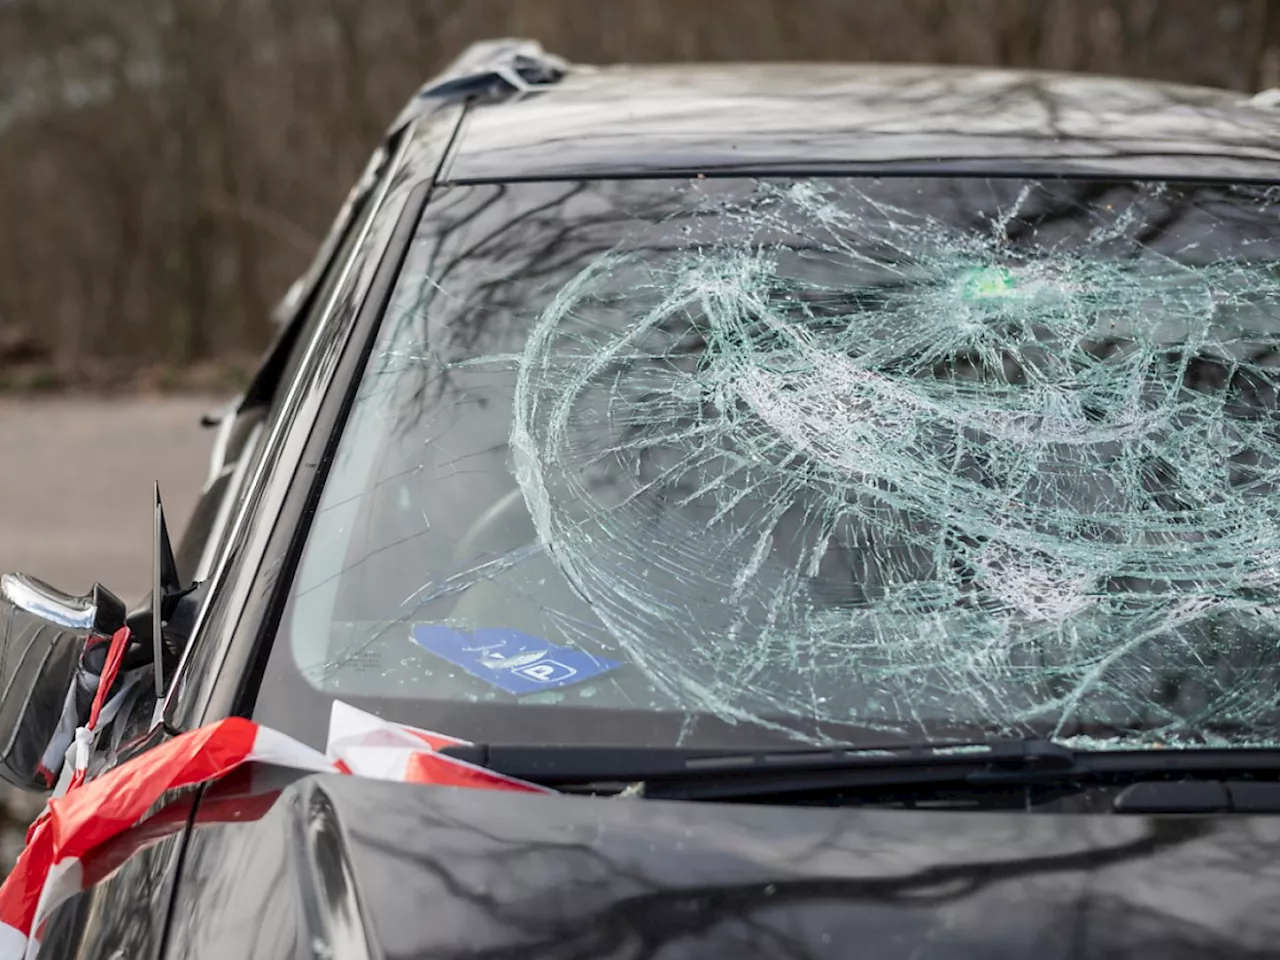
[[627, 121]]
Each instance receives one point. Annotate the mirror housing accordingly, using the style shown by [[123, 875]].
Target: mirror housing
[[43, 633]]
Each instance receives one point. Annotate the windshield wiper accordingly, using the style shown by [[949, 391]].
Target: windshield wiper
[[677, 773]]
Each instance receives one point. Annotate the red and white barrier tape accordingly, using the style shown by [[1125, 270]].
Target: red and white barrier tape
[[93, 812]]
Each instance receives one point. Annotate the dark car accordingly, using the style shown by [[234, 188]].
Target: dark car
[[852, 489]]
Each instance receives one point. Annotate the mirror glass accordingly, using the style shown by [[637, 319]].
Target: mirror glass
[[42, 635]]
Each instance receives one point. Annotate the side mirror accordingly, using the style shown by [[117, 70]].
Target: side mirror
[[43, 633]]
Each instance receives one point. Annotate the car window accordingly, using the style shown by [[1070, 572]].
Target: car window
[[823, 456]]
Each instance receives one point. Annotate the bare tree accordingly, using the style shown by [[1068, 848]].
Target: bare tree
[[167, 165]]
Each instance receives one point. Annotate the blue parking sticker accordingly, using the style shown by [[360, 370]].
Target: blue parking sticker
[[511, 660]]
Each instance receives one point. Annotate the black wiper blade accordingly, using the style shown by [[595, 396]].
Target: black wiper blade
[[677, 773], [555, 765]]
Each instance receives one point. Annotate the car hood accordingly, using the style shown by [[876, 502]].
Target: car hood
[[342, 867]]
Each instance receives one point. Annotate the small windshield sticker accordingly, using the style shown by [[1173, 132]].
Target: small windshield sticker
[[510, 660]]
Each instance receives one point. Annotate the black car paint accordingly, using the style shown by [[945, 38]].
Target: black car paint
[[127, 913], [405, 872], [370, 869], [869, 119]]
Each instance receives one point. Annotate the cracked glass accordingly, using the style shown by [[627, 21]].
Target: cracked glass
[[846, 458]]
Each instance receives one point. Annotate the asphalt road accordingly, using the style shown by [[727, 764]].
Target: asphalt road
[[75, 485]]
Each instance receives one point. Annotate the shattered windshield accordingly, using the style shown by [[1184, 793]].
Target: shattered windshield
[[833, 458]]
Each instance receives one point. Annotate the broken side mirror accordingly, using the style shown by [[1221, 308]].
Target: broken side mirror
[[53, 649], [43, 634]]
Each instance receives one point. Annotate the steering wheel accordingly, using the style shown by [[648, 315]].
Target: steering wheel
[[497, 515]]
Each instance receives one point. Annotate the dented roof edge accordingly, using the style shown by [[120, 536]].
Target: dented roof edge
[[489, 70]]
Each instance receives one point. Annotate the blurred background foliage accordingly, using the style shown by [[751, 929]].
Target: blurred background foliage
[[167, 167]]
